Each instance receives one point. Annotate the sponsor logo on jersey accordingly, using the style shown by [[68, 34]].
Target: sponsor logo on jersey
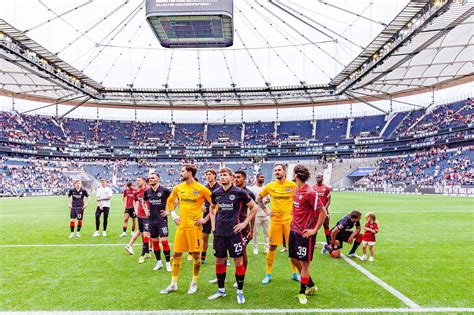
[[281, 197], [224, 206], [188, 200]]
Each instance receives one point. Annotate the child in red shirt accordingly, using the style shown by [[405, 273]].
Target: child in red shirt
[[371, 228]]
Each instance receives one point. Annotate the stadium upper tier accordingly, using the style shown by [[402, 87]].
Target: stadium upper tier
[[404, 131]]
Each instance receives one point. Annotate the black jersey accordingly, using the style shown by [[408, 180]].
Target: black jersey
[[157, 202], [212, 189], [232, 209], [345, 223], [78, 197]]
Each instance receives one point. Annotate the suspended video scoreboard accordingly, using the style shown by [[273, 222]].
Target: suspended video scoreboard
[[191, 23]]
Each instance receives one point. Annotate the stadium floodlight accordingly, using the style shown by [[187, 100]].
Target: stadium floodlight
[[191, 23]]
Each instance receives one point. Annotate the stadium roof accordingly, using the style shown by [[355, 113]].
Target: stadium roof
[[285, 53]]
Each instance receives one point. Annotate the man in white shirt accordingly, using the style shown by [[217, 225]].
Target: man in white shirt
[[104, 194], [261, 218]]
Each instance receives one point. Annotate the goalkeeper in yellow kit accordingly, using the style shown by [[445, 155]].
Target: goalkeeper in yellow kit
[[188, 237], [281, 192]]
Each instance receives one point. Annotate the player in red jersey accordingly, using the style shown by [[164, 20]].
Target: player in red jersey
[[324, 194], [127, 198], [308, 215], [138, 209], [371, 228], [143, 221]]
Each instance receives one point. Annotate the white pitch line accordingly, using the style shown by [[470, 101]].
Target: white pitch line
[[60, 245], [262, 311], [381, 283]]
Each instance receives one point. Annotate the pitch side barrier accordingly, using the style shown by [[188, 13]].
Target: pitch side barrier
[[463, 190]]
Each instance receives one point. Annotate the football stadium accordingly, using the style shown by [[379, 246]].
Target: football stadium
[[236, 156]]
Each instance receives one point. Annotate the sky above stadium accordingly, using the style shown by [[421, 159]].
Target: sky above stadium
[[110, 41]]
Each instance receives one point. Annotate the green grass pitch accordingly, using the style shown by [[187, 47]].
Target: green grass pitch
[[425, 250]]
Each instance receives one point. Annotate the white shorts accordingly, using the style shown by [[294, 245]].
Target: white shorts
[[364, 243]]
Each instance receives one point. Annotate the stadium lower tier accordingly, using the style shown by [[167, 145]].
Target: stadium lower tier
[[433, 167]]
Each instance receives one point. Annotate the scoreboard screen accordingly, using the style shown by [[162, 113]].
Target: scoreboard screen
[[191, 23]]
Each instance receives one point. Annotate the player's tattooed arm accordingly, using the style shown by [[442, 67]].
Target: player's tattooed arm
[[321, 217], [262, 205], [202, 221], [253, 210], [212, 216], [145, 207], [353, 235], [334, 233]]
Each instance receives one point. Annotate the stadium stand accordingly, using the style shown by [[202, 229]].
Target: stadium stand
[[408, 142]]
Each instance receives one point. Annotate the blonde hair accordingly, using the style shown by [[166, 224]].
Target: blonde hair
[[372, 216]]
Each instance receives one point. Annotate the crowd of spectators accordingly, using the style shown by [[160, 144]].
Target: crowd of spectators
[[32, 176], [431, 167], [37, 128], [442, 117]]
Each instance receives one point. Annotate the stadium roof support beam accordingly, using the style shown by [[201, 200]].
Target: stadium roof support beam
[[59, 101], [366, 103], [281, 5], [76, 107], [379, 50], [353, 13], [300, 19], [387, 98]]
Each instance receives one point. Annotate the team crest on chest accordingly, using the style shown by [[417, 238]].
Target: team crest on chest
[[287, 189], [232, 197], [195, 193], [300, 197]]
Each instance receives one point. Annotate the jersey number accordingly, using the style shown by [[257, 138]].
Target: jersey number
[[238, 248], [301, 251], [165, 230]]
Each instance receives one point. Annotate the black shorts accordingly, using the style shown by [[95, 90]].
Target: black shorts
[[301, 248], [343, 236], [77, 213], [104, 210], [158, 229], [143, 225], [206, 227], [234, 245], [131, 212]]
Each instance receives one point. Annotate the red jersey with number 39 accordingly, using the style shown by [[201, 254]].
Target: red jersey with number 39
[[306, 208], [129, 194], [324, 192]]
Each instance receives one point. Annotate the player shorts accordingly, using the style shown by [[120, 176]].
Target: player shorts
[[158, 229], [143, 225], [206, 227], [77, 213], [234, 245], [301, 248], [365, 243], [189, 240], [131, 212], [343, 236], [279, 233]]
